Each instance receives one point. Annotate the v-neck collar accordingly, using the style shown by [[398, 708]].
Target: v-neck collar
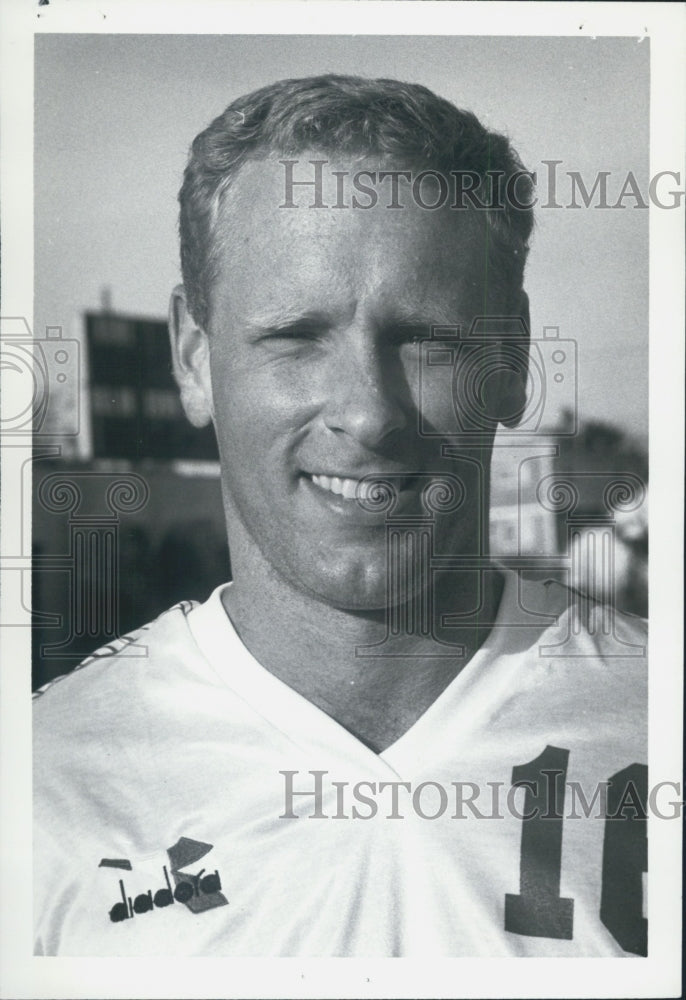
[[460, 706], [301, 721]]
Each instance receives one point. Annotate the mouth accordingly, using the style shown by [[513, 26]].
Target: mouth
[[338, 485], [350, 489]]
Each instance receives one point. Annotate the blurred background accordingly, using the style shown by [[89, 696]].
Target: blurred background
[[114, 117]]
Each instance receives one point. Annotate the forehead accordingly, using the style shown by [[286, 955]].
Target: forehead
[[267, 250]]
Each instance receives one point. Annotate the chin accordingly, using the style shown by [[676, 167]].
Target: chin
[[358, 589]]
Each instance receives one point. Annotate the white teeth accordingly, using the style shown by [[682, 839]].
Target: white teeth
[[346, 488]]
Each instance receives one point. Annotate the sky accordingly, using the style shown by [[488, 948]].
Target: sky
[[115, 116]]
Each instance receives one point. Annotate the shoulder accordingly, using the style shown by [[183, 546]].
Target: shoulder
[[127, 668], [598, 625], [577, 665], [566, 624]]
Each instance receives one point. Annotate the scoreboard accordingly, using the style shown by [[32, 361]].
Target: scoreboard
[[134, 401]]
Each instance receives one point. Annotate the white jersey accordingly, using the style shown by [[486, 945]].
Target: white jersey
[[190, 803]]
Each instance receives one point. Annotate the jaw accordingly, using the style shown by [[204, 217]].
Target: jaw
[[363, 572], [310, 545]]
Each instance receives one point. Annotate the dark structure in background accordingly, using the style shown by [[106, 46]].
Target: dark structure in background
[[134, 403], [134, 523]]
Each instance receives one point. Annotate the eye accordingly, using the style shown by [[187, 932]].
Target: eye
[[292, 334], [411, 335], [416, 338]]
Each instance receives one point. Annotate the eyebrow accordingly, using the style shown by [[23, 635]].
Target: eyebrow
[[276, 319], [428, 319]]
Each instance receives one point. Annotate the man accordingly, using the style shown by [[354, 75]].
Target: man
[[367, 743]]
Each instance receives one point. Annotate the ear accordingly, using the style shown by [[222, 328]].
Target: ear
[[515, 354], [190, 351]]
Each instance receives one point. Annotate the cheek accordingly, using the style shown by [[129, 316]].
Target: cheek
[[241, 388], [460, 392], [431, 386], [284, 388], [259, 414]]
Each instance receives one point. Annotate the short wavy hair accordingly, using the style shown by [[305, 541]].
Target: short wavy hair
[[402, 122]]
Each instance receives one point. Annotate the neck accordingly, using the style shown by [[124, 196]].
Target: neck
[[323, 652]]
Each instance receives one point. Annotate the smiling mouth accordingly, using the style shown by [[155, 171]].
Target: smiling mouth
[[348, 488]]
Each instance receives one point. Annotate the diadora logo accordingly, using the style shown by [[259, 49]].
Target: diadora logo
[[198, 892]]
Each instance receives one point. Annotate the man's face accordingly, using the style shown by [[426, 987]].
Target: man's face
[[317, 317]]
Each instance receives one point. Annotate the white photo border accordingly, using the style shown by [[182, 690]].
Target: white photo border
[[24, 976]]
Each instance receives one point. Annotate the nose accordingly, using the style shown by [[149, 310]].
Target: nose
[[366, 395]]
